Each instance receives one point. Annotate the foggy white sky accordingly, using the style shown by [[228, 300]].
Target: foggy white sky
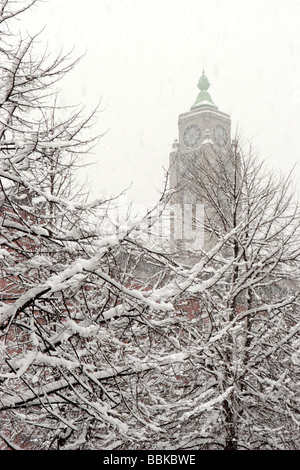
[[143, 60]]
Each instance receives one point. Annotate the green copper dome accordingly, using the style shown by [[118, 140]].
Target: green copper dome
[[203, 98], [203, 83]]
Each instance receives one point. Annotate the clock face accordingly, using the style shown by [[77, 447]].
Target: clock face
[[191, 136], [220, 136]]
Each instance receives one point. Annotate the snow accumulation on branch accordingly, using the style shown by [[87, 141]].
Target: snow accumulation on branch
[[207, 405], [32, 397], [32, 144], [190, 281], [58, 282], [252, 312], [46, 195]]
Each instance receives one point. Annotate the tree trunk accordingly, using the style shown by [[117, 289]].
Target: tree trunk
[[230, 428]]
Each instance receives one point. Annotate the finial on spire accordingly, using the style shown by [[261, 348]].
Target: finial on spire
[[203, 98], [203, 83]]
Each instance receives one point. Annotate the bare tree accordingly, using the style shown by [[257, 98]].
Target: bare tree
[[80, 325], [241, 389], [101, 333]]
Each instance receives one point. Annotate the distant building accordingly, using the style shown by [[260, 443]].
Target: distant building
[[204, 134]]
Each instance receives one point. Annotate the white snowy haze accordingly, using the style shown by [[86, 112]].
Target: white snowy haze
[[143, 59]]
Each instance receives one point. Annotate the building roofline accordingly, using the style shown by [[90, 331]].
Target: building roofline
[[204, 109]]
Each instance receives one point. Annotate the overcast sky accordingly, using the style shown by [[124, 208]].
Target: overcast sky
[[143, 60]]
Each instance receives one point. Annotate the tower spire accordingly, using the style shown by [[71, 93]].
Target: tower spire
[[203, 98]]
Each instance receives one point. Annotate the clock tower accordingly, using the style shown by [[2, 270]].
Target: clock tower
[[204, 134]]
